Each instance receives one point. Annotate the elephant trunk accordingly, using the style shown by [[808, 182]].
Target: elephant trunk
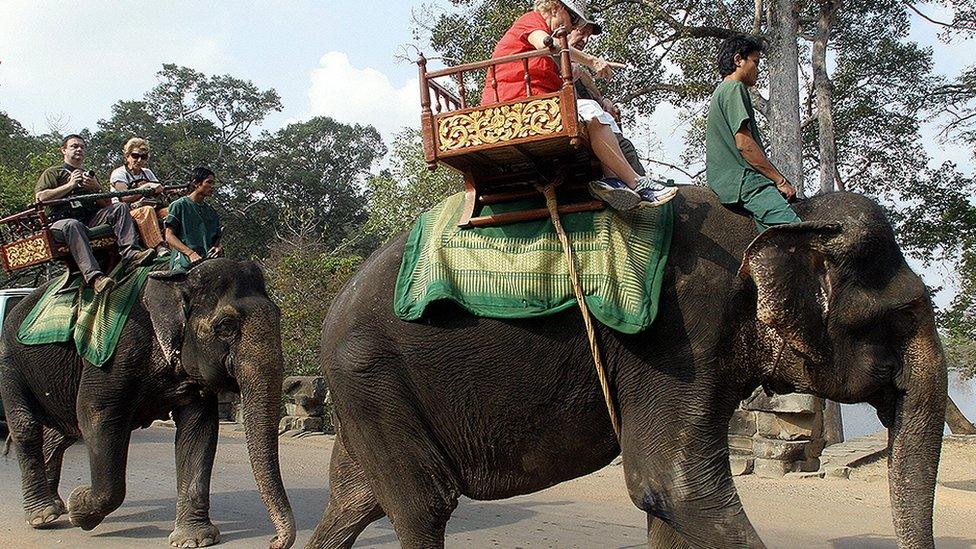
[[915, 436], [259, 375]]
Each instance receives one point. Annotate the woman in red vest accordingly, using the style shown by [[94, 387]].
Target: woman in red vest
[[622, 188]]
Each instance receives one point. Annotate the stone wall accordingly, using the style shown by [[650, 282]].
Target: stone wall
[[775, 435]]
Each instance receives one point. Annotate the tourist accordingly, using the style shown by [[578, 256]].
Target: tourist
[[73, 218], [621, 187]]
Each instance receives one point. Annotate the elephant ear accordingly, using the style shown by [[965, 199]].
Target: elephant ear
[[165, 298], [791, 267]]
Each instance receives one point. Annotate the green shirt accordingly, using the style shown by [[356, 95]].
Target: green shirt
[[54, 177], [724, 165], [196, 225]]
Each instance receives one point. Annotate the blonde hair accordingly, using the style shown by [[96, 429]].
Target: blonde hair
[[133, 144], [545, 6]]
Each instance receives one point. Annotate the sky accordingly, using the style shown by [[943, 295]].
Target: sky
[[66, 63]]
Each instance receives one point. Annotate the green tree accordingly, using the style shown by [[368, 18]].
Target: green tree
[[314, 173], [399, 195], [303, 283]]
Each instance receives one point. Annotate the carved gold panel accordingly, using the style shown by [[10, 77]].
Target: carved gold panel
[[498, 124], [26, 252]]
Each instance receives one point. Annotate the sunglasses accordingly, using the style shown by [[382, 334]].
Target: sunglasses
[[139, 156]]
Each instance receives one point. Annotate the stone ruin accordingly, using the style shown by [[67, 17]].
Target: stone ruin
[[308, 408], [772, 436]]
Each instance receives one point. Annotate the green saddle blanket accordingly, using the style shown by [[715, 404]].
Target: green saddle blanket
[[67, 311], [520, 270]]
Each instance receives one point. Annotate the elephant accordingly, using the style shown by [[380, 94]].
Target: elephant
[[454, 404], [189, 336]]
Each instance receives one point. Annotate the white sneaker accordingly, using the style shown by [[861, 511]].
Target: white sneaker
[[615, 192], [653, 194]]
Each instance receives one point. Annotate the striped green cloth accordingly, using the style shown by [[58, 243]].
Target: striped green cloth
[[520, 271], [67, 311]]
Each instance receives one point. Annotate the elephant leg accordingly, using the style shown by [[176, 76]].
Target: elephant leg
[[106, 431], [196, 444], [661, 536], [27, 432], [697, 507], [352, 504], [55, 444], [679, 474], [412, 479]]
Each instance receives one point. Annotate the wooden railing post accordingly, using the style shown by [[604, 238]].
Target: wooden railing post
[[568, 94], [426, 117]]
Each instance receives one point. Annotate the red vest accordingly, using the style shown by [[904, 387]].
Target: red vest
[[510, 77]]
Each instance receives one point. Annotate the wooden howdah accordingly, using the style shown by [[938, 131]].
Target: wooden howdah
[[504, 150], [28, 241]]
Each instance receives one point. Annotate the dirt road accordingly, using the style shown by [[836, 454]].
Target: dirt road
[[590, 512]]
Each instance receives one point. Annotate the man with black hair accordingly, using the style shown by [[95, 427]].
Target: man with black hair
[[192, 225], [736, 164], [74, 218]]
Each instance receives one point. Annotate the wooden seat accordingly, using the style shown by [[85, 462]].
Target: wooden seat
[[504, 150], [28, 240]]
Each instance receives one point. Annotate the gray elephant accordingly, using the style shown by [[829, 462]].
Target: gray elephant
[[190, 336], [457, 405]]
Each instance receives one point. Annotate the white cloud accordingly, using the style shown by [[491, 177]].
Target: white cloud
[[362, 96]]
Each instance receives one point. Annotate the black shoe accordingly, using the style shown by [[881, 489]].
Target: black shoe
[[142, 257], [103, 284]]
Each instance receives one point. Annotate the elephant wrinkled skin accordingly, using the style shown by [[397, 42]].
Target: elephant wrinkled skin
[[457, 405], [189, 337]]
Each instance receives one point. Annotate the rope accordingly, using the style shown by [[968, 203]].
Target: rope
[[549, 191]]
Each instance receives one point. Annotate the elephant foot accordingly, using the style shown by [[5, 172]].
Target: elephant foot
[[59, 506], [45, 517], [80, 509], [195, 535]]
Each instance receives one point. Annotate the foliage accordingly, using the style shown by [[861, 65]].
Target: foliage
[[303, 283], [315, 172], [407, 189]]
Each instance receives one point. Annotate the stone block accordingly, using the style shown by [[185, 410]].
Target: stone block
[[300, 423], [802, 475], [741, 465], [838, 472], [740, 444], [312, 387], [304, 406], [743, 423], [792, 403], [815, 448], [771, 468], [807, 466], [782, 450], [789, 426]]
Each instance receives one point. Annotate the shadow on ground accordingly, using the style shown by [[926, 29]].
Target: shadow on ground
[[889, 542], [139, 519]]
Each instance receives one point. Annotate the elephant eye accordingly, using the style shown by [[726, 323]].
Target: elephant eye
[[226, 327]]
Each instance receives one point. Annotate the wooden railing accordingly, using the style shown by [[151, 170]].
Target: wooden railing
[[437, 99]]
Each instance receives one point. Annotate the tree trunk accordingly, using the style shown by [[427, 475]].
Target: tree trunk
[[823, 94], [786, 140], [957, 421]]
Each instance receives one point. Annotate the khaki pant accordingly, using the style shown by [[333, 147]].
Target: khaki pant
[[148, 224]]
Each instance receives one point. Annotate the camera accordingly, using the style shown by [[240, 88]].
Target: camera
[[90, 173]]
